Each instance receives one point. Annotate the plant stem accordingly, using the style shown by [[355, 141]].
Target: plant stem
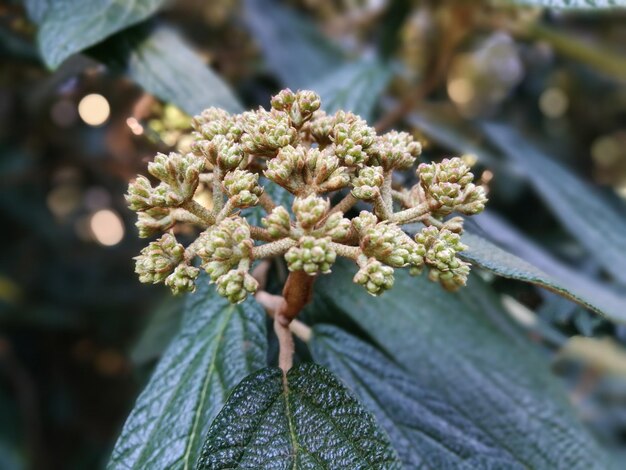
[[380, 208], [183, 215], [351, 252], [285, 342], [409, 215], [276, 248], [344, 205], [259, 233], [199, 211], [297, 292], [218, 192], [385, 192], [267, 202]]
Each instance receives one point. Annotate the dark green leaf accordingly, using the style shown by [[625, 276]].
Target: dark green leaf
[[307, 420], [70, 26], [426, 431], [596, 225], [586, 292], [219, 344], [159, 332], [355, 87], [455, 345], [295, 50], [163, 64]]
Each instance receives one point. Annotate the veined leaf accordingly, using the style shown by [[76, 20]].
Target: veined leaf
[[70, 26], [219, 344], [296, 51], [163, 64], [355, 87], [305, 420], [454, 345], [426, 431], [493, 258], [573, 4], [596, 225]]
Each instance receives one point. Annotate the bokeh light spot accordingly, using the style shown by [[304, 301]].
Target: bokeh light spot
[[553, 103], [94, 109], [107, 227]]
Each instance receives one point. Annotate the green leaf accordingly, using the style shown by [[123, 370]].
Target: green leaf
[[163, 64], [573, 4], [306, 420], [585, 292], [219, 344], [580, 209], [355, 87], [459, 346], [70, 26], [426, 431], [162, 327], [297, 52]]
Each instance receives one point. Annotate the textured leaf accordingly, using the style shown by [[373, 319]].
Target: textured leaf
[[597, 298], [426, 431], [455, 346], [575, 4], [163, 64], [295, 50], [306, 421], [70, 26], [355, 87], [596, 225], [219, 344]]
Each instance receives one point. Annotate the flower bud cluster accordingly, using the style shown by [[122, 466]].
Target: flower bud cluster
[[320, 159]]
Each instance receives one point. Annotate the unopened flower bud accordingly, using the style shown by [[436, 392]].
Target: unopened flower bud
[[286, 168], [153, 221], [179, 175], [374, 276], [312, 255], [159, 259], [235, 285], [364, 221], [227, 243], [368, 182], [278, 222], [396, 150], [243, 187], [310, 210], [441, 248], [183, 279], [336, 227], [389, 244], [139, 196], [267, 132]]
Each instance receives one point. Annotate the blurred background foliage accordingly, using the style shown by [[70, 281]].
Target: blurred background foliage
[[515, 89]]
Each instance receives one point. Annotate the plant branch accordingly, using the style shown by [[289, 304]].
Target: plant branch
[[199, 211], [260, 233], [218, 192], [266, 202], [351, 252], [410, 215], [276, 248], [344, 205], [286, 346]]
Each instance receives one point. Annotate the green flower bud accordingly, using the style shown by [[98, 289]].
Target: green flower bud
[[283, 100], [321, 128], [368, 182], [327, 174], [179, 175], [389, 244], [153, 221], [183, 279], [364, 221], [139, 197], [312, 255], [243, 187], [286, 168], [227, 243], [374, 276], [158, 259], [352, 138], [310, 210], [278, 222], [235, 285], [441, 248], [336, 227], [448, 185], [396, 150], [266, 132]]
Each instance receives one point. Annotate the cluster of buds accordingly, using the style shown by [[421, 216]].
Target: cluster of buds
[[329, 164]]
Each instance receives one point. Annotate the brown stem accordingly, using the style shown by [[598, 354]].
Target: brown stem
[[344, 205], [267, 202], [285, 342], [297, 292], [259, 233], [199, 211], [380, 208]]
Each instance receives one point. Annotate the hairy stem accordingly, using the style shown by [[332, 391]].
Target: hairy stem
[[410, 215], [285, 342], [267, 202], [199, 211], [380, 208], [218, 192], [276, 248], [344, 205], [184, 216], [351, 252], [259, 233], [385, 192]]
